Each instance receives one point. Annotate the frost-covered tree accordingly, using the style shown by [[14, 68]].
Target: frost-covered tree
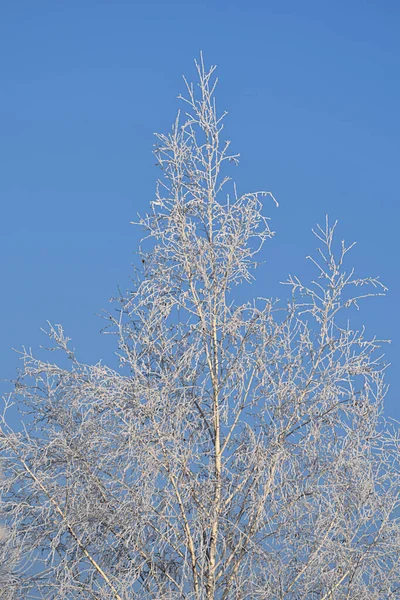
[[239, 453]]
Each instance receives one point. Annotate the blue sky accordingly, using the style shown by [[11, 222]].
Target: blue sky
[[313, 96]]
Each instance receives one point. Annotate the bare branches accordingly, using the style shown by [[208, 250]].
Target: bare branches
[[240, 452]]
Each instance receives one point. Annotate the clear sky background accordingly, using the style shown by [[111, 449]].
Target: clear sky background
[[313, 95]]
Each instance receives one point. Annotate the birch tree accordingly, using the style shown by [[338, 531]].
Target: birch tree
[[240, 451]]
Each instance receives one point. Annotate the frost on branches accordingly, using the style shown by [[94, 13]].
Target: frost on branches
[[240, 451]]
